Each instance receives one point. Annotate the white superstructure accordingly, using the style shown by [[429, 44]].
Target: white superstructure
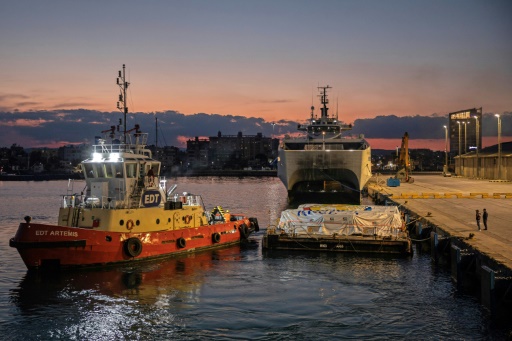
[[324, 161]]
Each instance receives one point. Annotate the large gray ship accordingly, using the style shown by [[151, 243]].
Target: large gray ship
[[324, 164]]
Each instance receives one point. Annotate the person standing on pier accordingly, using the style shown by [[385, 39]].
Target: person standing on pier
[[478, 219], [484, 216]]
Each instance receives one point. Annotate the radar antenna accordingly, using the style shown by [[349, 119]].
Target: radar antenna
[[324, 100]]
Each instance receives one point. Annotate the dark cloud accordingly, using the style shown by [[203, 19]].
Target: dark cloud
[[27, 104], [388, 127], [82, 125], [423, 127], [74, 105], [4, 97]]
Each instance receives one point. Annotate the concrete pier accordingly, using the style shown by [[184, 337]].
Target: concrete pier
[[448, 206]]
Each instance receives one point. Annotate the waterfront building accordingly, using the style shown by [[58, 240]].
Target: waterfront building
[[169, 156], [487, 164], [465, 131], [231, 151], [197, 153], [73, 153]]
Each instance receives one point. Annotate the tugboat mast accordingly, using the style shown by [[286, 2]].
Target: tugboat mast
[[123, 86]]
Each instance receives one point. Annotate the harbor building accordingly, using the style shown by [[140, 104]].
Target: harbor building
[[470, 159], [231, 151], [493, 163], [197, 153], [465, 130]]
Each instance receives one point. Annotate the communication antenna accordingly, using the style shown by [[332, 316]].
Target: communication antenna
[[121, 105], [312, 106], [336, 108], [324, 100]]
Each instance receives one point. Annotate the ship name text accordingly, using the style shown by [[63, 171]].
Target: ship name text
[[56, 233]]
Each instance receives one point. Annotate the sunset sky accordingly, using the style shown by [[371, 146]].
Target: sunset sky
[[261, 59]]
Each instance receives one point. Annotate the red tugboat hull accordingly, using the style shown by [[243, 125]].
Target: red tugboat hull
[[52, 246]]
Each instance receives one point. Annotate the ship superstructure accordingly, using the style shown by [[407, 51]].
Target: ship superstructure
[[323, 162]]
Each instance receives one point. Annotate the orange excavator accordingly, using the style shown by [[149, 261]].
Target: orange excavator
[[404, 163]]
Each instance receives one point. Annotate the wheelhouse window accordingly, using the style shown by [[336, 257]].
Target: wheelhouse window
[[109, 170], [100, 171], [119, 170], [89, 170], [131, 170]]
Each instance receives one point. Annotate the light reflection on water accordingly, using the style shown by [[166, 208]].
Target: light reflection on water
[[238, 292]]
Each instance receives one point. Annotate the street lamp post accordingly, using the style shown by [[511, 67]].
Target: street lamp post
[[477, 145], [445, 170], [458, 173], [499, 146], [459, 139], [465, 137]]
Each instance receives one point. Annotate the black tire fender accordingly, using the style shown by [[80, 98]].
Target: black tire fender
[[254, 223], [133, 247], [181, 242], [216, 237], [244, 231]]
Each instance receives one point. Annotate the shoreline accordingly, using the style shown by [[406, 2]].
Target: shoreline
[[190, 173]]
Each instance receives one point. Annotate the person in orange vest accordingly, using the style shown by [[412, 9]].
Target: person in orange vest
[[227, 216]]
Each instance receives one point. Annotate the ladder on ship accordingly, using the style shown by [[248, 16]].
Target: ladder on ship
[[136, 194]]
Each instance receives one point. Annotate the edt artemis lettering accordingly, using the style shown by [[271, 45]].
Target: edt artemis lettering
[[151, 198]]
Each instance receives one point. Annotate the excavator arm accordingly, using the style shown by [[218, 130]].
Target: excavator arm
[[404, 162]]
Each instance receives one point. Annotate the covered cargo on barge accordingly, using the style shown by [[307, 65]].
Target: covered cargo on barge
[[340, 228]]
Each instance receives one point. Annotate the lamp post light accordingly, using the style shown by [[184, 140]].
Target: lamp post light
[[459, 139], [465, 137], [460, 161], [477, 133], [445, 170], [499, 146]]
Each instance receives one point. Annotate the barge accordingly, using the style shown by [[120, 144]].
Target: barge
[[340, 228]]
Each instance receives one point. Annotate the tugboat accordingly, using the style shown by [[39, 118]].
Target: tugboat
[[126, 213], [340, 228], [324, 165]]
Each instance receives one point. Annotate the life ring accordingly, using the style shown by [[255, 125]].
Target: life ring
[[244, 231], [181, 242], [133, 247], [187, 219], [216, 237], [129, 224], [254, 223]]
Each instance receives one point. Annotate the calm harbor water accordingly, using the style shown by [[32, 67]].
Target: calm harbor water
[[238, 292]]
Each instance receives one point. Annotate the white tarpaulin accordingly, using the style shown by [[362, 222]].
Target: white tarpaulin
[[315, 219]]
